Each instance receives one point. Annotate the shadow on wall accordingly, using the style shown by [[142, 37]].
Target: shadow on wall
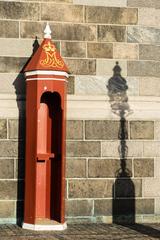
[[20, 89], [123, 190]]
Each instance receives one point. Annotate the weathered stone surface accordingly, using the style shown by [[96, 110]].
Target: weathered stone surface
[[90, 188], [75, 32], [90, 85], [142, 3], [105, 67], [76, 168], [7, 83], [9, 29], [143, 34], [111, 33], [143, 68], [133, 86], [151, 187], [125, 51], [62, 1], [3, 128], [74, 129], [142, 129], [102, 129], [128, 188], [8, 148], [144, 206], [13, 128], [149, 86], [71, 84], [19, 10], [153, 20], [103, 207], [83, 149], [157, 130], [144, 167], [99, 50], [73, 49], [106, 168], [81, 66], [149, 52], [64, 13], [79, 208], [110, 148], [12, 64], [8, 190], [111, 15], [7, 209], [108, 3], [6, 168], [151, 148]]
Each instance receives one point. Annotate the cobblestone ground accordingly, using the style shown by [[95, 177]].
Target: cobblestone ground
[[85, 232]]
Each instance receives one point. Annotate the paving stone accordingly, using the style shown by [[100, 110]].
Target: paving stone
[[74, 129], [99, 50], [9, 29], [19, 10], [81, 66], [102, 129], [79, 207], [106, 168], [111, 15], [83, 148], [6, 168], [111, 33], [143, 167], [142, 130], [90, 188], [64, 13], [76, 168], [74, 32], [73, 49]]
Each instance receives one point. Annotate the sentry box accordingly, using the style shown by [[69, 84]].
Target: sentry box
[[46, 83]]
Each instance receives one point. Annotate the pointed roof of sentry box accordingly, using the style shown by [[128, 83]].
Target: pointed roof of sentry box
[[47, 57]]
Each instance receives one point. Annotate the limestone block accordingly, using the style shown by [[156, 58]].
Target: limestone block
[[81, 66], [149, 52], [7, 209], [73, 49], [142, 130], [83, 149], [74, 129], [151, 187], [105, 67], [76, 168], [157, 168], [106, 168], [6, 168], [8, 148], [153, 20], [79, 208], [125, 51], [8, 190], [90, 188], [71, 85], [143, 68], [108, 3], [12, 64], [61, 12], [111, 15], [144, 206], [151, 148], [143, 167], [102, 129], [139, 34], [103, 207], [99, 50], [142, 3], [149, 86], [128, 188], [19, 10], [62, 31], [3, 128], [9, 29], [111, 33]]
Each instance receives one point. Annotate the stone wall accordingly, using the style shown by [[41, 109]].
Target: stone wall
[[91, 36]]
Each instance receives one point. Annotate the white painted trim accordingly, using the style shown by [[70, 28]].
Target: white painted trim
[[38, 227], [51, 79], [47, 72]]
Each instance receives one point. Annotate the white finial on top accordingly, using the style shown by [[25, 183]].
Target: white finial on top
[[47, 31]]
